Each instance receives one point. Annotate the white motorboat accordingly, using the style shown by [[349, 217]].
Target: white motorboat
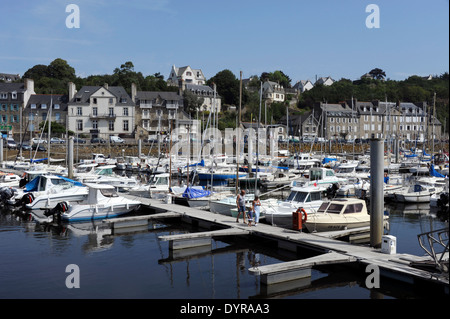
[[339, 214], [320, 176], [46, 190], [157, 186], [417, 193], [310, 198], [105, 175], [102, 202], [9, 180]]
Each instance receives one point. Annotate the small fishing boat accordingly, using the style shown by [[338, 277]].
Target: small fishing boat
[[339, 214], [417, 193]]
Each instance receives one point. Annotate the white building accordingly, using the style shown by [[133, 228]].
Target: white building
[[100, 111], [187, 75], [303, 85], [325, 81], [273, 91]]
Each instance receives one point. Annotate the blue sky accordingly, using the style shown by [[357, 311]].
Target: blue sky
[[302, 38]]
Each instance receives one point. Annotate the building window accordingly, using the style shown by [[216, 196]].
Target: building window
[[95, 124], [111, 125], [57, 116], [94, 100], [79, 125], [79, 110], [43, 106], [111, 111], [125, 125], [95, 111], [14, 95], [56, 106], [4, 96], [125, 111]]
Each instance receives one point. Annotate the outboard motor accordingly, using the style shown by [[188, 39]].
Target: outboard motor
[[331, 191], [443, 200], [27, 198], [57, 211], [6, 193]]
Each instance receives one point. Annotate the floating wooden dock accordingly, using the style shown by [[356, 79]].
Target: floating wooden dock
[[329, 250]]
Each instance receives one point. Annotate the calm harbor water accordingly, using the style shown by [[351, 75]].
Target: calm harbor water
[[137, 265]]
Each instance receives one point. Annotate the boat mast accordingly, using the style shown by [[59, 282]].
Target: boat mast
[[49, 128], [238, 138], [257, 143]]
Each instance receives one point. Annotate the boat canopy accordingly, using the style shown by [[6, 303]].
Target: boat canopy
[[191, 192], [434, 173], [328, 160]]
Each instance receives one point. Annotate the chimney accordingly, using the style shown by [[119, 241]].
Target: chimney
[[133, 92], [106, 86], [72, 90], [29, 86]]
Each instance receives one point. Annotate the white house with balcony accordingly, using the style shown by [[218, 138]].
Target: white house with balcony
[[100, 111], [273, 91]]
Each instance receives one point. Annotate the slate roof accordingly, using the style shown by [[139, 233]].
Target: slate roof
[[40, 99], [85, 93]]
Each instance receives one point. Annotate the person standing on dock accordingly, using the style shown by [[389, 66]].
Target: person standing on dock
[[256, 209], [240, 202]]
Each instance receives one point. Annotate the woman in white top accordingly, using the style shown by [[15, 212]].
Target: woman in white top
[[256, 209]]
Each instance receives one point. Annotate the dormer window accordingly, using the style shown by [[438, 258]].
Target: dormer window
[[14, 95], [43, 106]]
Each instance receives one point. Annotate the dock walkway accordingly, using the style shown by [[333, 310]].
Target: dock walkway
[[396, 266]]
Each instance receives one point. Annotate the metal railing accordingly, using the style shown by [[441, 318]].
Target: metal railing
[[431, 242]]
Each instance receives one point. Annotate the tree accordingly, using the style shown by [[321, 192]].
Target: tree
[[192, 102], [377, 73], [227, 86], [61, 70], [277, 76]]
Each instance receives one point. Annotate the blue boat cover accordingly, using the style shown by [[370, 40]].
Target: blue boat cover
[[32, 185], [38, 160], [425, 154], [202, 163], [412, 155], [328, 160], [195, 193], [434, 173]]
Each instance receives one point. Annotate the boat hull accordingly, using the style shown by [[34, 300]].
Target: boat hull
[[93, 212]]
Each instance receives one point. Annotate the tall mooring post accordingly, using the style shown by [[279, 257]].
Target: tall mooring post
[[1, 151], [70, 157], [376, 191]]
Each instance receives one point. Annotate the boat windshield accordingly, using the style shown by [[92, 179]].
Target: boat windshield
[[335, 208], [291, 196], [344, 170], [353, 208], [109, 192], [315, 175], [298, 197], [323, 207]]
